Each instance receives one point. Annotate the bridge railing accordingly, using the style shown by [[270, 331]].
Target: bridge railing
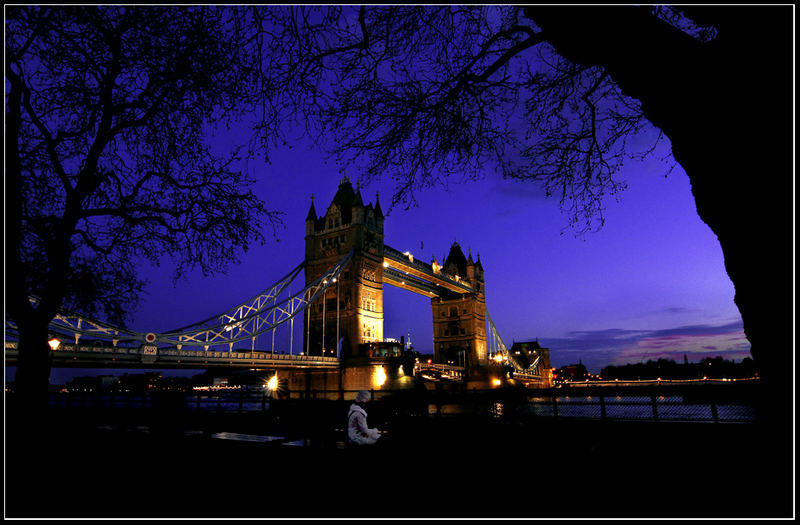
[[137, 355], [263, 354], [277, 356], [441, 370], [441, 367]]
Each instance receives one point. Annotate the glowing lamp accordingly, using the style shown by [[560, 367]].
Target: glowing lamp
[[54, 343], [272, 384], [496, 382], [380, 376]]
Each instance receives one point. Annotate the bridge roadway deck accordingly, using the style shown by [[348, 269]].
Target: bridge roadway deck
[[69, 355], [417, 276]]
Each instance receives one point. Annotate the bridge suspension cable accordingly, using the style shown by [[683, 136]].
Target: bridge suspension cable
[[263, 313], [501, 348], [68, 324]]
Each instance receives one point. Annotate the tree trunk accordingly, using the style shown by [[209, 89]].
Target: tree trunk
[[32, 382]]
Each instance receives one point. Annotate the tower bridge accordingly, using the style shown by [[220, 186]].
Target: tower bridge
[[339, 302]]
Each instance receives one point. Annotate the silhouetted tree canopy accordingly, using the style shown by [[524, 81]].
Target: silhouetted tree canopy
[[706, 368], [421, 94], [107, 160]]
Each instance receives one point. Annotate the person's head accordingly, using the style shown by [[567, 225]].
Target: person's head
[[362, 397]]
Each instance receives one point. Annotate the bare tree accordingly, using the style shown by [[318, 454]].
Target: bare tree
[[106, 160], [419, 94], [561, 96]]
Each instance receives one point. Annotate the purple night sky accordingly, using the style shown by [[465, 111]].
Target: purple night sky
[[650, 284]]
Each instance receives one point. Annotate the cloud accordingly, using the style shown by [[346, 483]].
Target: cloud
[[599, 348], [731, 345], [677, 310]]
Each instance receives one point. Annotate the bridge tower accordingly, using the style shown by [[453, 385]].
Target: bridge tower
[[459, 319], [347, 224]]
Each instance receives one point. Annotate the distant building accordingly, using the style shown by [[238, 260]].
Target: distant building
[[92, 383], [383, 349], [138, 383], [572, 372], [525, 353]]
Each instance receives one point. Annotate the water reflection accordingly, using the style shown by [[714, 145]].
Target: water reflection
[[592, 407]]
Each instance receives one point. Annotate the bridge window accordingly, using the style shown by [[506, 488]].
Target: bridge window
[[368, 304], [454, 312]]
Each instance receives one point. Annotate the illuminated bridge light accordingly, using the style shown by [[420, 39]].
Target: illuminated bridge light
[[380, 376]]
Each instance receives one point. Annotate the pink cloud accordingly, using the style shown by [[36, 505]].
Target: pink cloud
[[729, 345]]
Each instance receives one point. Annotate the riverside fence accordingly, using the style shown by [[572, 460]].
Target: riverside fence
[[698, 404]]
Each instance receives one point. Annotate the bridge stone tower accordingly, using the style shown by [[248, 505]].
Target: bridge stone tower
[[347, 224], [459, 320]]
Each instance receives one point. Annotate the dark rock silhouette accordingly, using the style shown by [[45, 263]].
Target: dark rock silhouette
[[726, 107]]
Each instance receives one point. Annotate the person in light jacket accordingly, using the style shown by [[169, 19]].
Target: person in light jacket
[[358, 433]]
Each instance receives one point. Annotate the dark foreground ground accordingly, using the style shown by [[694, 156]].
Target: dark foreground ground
[[114, 466]]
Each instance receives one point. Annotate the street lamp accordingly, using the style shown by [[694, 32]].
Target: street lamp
[[324, 313], [336, 345], [54, 343]]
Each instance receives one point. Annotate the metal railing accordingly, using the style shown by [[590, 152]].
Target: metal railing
[[652, 407], [639, 408]]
